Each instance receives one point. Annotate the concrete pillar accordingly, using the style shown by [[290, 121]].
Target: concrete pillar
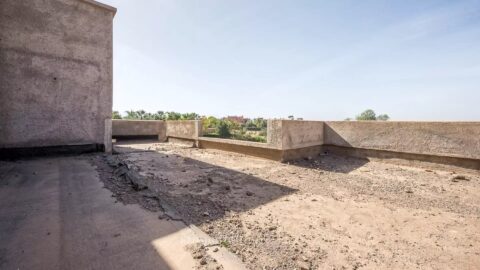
[[274, 133]]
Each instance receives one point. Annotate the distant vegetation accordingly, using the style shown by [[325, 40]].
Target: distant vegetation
[[369, 115], [231, 127], [160, 115], [237, 128]]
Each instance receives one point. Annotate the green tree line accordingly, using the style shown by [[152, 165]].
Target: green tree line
[[159, 115], [370, 115], [248, 129]]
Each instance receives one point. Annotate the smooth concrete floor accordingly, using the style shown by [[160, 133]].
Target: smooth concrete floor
[[55, 214]]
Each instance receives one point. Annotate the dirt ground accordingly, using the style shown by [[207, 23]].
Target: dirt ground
[[326, 212]]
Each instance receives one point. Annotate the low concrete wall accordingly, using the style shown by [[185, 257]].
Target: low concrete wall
[[184, 129], [294, 134], [256, 149], [454, 143], [301, 134], [450, 139], [136, 128]]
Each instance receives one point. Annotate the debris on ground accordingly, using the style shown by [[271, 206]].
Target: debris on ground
[[325, 212], [460, 177]]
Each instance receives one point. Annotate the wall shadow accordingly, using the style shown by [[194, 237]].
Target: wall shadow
[[185, 188], [332, 162]]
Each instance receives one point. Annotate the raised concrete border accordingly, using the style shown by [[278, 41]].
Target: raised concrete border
[[256, 149], [448, 143], [468, 163], [449, 139], [184, 129]]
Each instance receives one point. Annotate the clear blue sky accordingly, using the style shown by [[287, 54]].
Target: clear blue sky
[[322, 60]]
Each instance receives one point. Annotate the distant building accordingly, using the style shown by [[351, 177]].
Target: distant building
[[237, 119]]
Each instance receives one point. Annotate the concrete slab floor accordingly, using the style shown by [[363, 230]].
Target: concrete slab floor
[[54, 214]]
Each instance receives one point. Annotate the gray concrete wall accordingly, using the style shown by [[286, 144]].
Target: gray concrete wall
[[55, 73], [184, 129], [139, 128], [453, 139], [300, 134], [293, 134]]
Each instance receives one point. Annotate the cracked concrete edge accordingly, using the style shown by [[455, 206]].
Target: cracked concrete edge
[[173, 248]]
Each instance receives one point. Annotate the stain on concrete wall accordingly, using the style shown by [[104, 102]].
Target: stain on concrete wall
[[139, 128], [455, 139], [56, 72]]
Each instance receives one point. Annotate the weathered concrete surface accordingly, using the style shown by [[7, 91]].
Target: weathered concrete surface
[[453, 139], [274, 133], [139, 128], [256, 149], [55, 214], [56, 73], [184, 129], [294, 134], [300, 134]]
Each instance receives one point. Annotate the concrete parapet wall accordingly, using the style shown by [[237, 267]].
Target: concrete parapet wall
[[293, 134], [248, 148], [455, 143], [184, 129], [139, 128], [301, 134], [451, 139]]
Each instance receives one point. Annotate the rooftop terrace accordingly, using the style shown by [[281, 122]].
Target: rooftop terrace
[[205, 208]]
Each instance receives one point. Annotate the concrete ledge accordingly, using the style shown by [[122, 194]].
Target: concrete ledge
[[183, 141], [453, 139], [135, 137], [248, 148], [101, 5], [384, 154], [26, 152], [238, 142]]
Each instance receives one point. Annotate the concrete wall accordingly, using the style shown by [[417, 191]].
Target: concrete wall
[[126, 128], [55, 73], [454, 139], [294, 134], [452, 143], [184, 129], [257, 149]]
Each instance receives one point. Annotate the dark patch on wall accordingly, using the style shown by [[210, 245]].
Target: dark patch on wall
[[268, 153], [135, 137], [28, 152], [385, 154]]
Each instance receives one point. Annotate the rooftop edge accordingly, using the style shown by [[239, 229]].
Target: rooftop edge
[[101, 5]]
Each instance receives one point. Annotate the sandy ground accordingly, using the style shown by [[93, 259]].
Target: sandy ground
[[327, 212]]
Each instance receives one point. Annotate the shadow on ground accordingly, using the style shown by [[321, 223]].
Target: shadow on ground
[[185, 188], [331, 162]]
